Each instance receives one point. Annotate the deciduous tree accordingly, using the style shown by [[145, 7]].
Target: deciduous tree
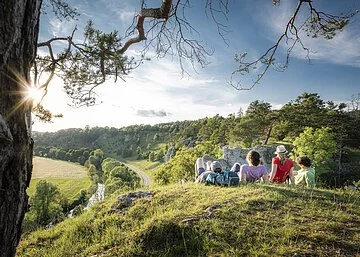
[[319, 145]]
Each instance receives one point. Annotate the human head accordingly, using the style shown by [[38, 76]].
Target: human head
[[303, 160], [281, 152], [253, 158], [216, 167], [280, 149]]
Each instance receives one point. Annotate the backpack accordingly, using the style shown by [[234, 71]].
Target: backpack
[[231, 178], [227, 178], [211, 178], [202, 178]]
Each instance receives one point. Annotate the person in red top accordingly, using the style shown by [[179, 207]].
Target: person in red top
[[281, 167]]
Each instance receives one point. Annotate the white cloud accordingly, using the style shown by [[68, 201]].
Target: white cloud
[[156, 91], [61, 28]]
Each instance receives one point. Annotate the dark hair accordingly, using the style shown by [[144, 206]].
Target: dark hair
[[253, 157], [216, 167], [303, 160]]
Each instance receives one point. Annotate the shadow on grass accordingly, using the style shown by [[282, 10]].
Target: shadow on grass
[[168, 238]]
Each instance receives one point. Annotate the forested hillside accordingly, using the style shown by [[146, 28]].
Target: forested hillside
[[259, 124]]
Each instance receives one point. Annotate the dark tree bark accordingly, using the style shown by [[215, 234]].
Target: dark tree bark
[[19, 26]]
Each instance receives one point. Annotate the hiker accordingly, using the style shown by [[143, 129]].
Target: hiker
[[216, 167], [281, 167], [215, 174], [236, 167], [305, 176], [253, 171], [201, 178], [199, 166], [210, 174]]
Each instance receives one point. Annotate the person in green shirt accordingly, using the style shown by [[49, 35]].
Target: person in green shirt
[[305, 176]]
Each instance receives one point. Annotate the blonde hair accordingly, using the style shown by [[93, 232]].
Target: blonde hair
[[282, 157]]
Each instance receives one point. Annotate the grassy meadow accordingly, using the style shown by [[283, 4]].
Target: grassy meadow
[[199, 220], [69, 177]]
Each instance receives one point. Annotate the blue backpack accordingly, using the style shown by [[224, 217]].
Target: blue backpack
[[231, 178], [211, 178], [227, 178]]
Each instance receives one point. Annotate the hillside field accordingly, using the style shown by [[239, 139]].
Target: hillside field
[[198, 220], [69, 177]]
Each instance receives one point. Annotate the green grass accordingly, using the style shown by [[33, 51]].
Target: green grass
[[46, 168], [69, 187], [251, 220], [69, 177]]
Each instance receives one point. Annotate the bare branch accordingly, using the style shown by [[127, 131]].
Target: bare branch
[[156, 13], [318, 23], [216, 12]]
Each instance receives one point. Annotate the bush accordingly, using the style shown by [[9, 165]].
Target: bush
[[319, 145]]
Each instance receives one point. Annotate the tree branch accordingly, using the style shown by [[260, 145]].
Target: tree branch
[[318, 23]]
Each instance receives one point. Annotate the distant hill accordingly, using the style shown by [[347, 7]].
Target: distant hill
[[197, 220]]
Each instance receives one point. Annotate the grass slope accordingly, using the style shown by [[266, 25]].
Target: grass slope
[[49, 168], [198, 220], [69, 177]]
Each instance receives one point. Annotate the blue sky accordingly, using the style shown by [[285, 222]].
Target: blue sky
[[157, 91]]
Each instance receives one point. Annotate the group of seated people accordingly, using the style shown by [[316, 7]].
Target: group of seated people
[[282, 169]]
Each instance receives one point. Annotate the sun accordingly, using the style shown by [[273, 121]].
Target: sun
[[34, 94]]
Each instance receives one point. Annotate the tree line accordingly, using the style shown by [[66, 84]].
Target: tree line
[[258, 125]]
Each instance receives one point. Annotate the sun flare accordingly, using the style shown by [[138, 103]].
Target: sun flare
[[34, 94]]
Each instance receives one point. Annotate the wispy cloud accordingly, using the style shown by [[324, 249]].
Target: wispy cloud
[[152, 113], [61, 28]]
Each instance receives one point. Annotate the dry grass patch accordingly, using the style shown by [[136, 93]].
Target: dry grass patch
[[48, 168], [69, 177]]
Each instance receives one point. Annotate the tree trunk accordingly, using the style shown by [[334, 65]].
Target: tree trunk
[[19, 25], [268, 134]]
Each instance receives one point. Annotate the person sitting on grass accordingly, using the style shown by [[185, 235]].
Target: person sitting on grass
[[305, 176], [253, 171], [215, 169], [281, 167]]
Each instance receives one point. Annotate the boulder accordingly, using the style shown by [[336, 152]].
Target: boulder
[[239, 155]]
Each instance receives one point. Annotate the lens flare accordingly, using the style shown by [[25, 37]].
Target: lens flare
[[34, 94]]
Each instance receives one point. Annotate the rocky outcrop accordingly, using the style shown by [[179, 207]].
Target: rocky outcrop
[[123, 202], [170, 153], [239, 155]]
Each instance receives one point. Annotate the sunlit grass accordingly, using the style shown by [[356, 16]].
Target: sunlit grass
[[69, 187], [46, 168], [69, 177], [251, 220]]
